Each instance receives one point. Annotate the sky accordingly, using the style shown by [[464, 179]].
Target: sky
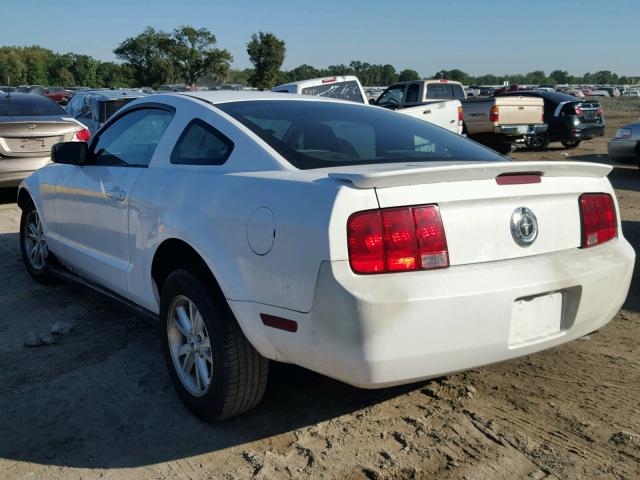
[[480, 36]]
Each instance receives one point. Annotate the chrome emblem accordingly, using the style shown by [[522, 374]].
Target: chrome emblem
[[31, 126], [524, 226]]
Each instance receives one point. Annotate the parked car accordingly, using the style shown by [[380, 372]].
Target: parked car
[[29, 126], [487, 91], [173, 88], [345, 87], [625, 145], [631, 93], [569, 120], [58, 94], [496, 123], [435, 101], [94, 107], [365, 245], [613, 91], [600, 92], [507, 88]]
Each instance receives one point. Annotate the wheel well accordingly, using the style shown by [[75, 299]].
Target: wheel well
[[174, 254], [24, 198]]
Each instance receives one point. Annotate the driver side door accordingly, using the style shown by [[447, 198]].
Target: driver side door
[[92, 200]]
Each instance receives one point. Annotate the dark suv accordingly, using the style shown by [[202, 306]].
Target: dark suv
[[569, 119]]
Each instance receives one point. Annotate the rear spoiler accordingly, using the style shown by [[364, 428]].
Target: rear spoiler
[[396, 176]]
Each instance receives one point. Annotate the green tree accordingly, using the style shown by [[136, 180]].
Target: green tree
[[303, 72], [408, 75], [559, 76], [537, 77], [148, 55], [266, 52], [456, 75], [192, 51]]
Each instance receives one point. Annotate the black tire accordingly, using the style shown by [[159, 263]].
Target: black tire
[[538, 142], [503, 148], [238, 372], [571, 143], [40, 273]]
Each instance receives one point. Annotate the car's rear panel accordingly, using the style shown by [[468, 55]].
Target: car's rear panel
[[519, 110], [33, 137], [495, 300]]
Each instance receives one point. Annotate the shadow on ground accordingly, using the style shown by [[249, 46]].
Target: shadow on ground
[[8, 195], [101, 398]]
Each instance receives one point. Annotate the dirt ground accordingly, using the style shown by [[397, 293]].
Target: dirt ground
[[98, 403]]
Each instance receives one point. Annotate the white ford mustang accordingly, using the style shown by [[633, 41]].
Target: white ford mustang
[[354, 241]]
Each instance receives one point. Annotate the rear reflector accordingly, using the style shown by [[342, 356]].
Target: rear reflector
[[397, 239], [598, 217], [518, 179], [279, 323]]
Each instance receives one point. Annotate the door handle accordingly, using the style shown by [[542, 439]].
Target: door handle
[[116, 193]]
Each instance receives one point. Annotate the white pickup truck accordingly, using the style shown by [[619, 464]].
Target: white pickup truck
[[444, 113], [495, 122]]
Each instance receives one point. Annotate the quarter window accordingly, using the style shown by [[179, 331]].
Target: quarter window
[[201, 144], [132, 139]]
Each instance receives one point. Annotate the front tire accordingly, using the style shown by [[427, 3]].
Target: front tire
[[215, 370], [33, 246]]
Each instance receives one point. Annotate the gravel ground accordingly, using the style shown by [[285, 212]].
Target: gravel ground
[[97, 403]]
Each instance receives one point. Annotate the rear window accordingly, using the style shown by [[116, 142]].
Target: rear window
[[112, 106], [445, 91], [312, 134], [29, 106], [342, 90]]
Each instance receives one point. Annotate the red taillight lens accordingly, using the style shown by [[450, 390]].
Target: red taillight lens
[[82, 136], [578, 110], [598, 216], [397, 239], [494, 114], [460, 115], [432, 242], [366, 249]]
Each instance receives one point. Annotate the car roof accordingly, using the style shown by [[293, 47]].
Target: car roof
[[320, 81], [227, 96], [112, 94]]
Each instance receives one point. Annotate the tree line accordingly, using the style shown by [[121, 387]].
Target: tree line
[[190, 55]]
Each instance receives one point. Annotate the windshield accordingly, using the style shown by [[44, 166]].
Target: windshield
[[112, 106], [313, 134], [343, 90], [28, 106]]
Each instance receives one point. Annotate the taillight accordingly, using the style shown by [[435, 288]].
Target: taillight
[[494, 114], [82, 136], [397, 239], [578, 110], [598, 217], [599, 112], [460, 116]]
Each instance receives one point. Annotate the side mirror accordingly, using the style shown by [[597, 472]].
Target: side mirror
[[372, 101], [69, 153]]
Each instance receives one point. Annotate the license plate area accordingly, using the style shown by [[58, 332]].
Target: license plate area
[[535, 319]]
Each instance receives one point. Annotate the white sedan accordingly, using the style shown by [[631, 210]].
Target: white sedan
[[363, 244]]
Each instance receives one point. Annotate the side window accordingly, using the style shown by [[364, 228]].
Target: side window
[[392, 96], [201, 144], [458, 92], [412, 93], [132, 139]]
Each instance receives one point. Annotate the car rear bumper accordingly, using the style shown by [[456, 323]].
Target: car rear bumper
[[520, 130], [380, 330], [621, 149], [15, 169], [586, 133]]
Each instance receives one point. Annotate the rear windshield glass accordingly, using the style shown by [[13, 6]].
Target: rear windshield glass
[[342, 90], [445, 91], [312, 134], [29, 106]]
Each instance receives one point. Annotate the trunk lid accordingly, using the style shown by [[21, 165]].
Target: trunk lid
[[587, 112], [28, 137], [477, 211]]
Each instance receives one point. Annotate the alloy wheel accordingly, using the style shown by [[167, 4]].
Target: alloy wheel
[[190, 346], [35, 242]]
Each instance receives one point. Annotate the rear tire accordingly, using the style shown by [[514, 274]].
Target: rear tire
[[538, 142], [215, 370], [571, 143], [33, 246]]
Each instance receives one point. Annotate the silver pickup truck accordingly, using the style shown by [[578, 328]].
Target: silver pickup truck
[[497, 122]]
